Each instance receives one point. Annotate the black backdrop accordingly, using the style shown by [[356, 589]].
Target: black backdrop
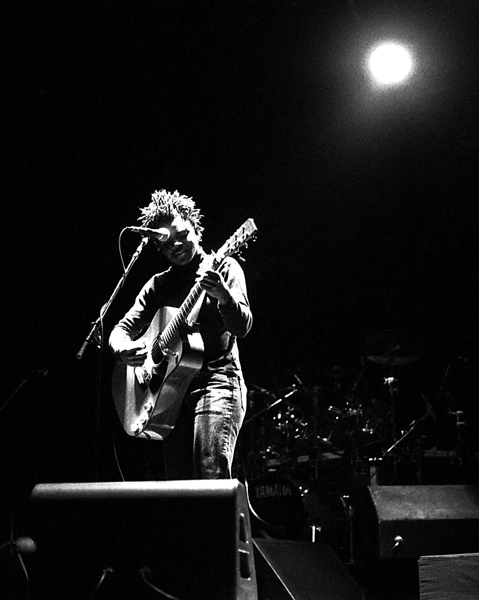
[[365, 201]]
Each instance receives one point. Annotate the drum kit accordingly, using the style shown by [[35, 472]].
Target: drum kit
[[307, 452]]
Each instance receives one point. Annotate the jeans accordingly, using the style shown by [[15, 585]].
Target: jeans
[[202, 444]]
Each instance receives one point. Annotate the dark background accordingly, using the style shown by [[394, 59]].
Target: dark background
[[365, 200]]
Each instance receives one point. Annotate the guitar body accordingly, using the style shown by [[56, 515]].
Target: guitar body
[[148, 398]]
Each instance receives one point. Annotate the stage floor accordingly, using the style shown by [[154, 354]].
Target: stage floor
[[387, 580]]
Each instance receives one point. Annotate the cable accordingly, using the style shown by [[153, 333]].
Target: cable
[[105, 572], [117, 460], [15, 549], [120, 250], [276, 528], [398, 540], [144, 571]]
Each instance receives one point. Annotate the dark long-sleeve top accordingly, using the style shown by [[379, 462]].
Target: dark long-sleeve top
[[219, 326]]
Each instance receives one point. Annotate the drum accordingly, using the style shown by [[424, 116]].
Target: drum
[[274, 441], [354, 429], [277, 507], [282, 509]]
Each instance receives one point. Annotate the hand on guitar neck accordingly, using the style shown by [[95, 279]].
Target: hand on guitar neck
[[213, 283]]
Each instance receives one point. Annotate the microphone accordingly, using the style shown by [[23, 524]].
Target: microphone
[[161, 234]]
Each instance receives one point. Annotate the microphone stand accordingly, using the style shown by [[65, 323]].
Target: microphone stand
[[95, 332], [95, 335], [13, 394]]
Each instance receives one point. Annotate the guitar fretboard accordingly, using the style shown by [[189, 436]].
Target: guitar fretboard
[[165, 337]]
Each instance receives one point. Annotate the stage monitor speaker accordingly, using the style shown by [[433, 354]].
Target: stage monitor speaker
[[449, 577], [189, 539], [301, 571], [417, 520]]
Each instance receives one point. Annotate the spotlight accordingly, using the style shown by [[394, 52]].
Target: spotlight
[[390, 63]]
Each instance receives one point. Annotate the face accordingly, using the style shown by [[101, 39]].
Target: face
[[183, 243]]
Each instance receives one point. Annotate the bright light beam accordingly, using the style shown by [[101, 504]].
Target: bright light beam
[[390, 63]]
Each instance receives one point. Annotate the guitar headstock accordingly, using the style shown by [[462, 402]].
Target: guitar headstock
[[240, 238]]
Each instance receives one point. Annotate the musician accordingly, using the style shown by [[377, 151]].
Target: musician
[[202, 443]]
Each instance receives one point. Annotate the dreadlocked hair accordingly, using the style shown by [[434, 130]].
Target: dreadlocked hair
[[165, 206]]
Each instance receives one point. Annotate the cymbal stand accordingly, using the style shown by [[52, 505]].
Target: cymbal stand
[[316, 431], [460, 425], [391, 383], [347, 408], [457, 414], [270, 406], [415, 424]]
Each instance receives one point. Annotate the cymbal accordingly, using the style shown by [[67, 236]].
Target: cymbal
[[394, 361], [256, 390], [393, 348]]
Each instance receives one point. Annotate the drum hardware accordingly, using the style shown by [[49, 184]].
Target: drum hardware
[[353, 430], [451, 417], [445, 377], [391, 435], [374, 464], [346, 420], [266, 409], [460, 423], [288, 434], [393, 348], [391, 383], [323, 435], [366, 450], [349, 508], [327, 517], [414, 425], [336, 373], [271, 433]]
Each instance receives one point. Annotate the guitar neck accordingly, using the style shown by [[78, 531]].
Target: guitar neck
[[246, 232], [182, 314], [186, 307]]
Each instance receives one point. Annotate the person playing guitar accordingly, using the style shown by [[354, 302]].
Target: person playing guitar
[[182, 381]]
